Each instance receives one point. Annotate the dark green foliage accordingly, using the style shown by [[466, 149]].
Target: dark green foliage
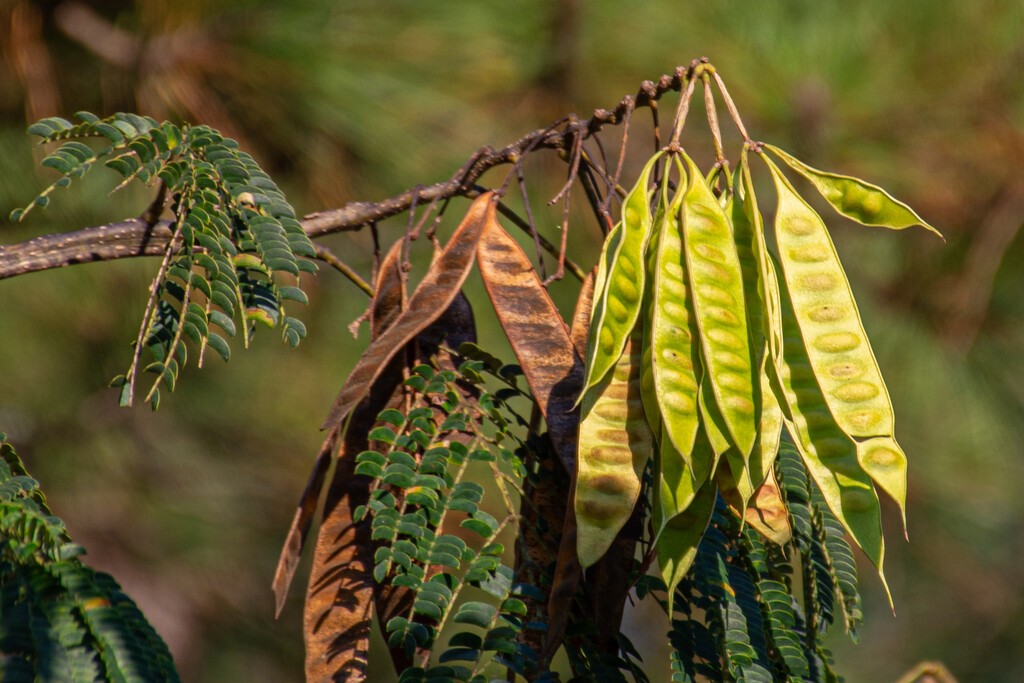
[[737, 619], [237, 250], [60, 620], [434, 537]]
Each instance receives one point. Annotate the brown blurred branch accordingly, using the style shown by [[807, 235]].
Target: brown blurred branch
[[928, 672], [134, 237], [971, 292]]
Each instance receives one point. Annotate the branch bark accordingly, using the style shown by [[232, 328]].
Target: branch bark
[[135, 237]]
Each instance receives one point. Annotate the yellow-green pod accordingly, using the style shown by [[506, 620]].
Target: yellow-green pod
[[680, 536], [674, 342], [623, 289], [716, 285], [608, 249], [651, 407], [767, 282], [829, 454], [856, 199], [884, 461], [712, 419], [677, 482], [769, 429], [837, 345], [614, 444]]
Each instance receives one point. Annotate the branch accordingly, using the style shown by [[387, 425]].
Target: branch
[[134, 237]]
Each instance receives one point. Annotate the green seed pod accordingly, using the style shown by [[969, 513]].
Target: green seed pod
[[829, 454], [608, 249], [716, 284], [680, 536], [673, 339], [624, 285], [712, 419], [856, 199], [615, 442], [650, 398], [767, 282], [826, 312], [884, 461], [677, 481]]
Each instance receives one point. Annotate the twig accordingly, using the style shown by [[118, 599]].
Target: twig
[[614, 183], [684, 104], [571, 266], [327, 256], [529, 219], [709, 104], [131, 238], [731, 106]]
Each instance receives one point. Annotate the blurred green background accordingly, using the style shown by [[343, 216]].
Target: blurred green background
[[359, 100]]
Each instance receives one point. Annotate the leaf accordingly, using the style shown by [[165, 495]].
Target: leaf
[[538, 335], [856, 199], [432, 297]]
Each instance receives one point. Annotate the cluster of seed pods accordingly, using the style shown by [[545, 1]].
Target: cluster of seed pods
[[705, 343]]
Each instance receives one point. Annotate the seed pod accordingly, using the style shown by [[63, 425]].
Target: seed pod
[[856, 199], [826, 312], [828, 453], [624, 284], [677, 482], [711, 418], [673, 340], [767, 282], [767, 512], [680, 536], [614, 444], [884, 461], [716, 283], [651, 408]]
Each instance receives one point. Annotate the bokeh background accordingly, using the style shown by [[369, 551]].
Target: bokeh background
[[362, 99]]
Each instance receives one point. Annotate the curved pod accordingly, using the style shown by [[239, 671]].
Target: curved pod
[[673, 337], [829, 454], [826, 312], [680, 537], [614, 444], [856, 199], [620, 297], [716, 283]]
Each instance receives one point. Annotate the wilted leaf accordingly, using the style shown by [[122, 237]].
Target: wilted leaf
[[539, 336], [432, 297]]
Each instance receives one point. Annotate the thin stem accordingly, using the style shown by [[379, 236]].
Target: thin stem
[[571, 266], [529, 219], [684, 104], [731, 106], [614, 183], [709, 104], [147, 317], [327, 256], [137, 238]]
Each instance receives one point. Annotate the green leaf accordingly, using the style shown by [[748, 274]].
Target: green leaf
[[218, 344], [476, 613]]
